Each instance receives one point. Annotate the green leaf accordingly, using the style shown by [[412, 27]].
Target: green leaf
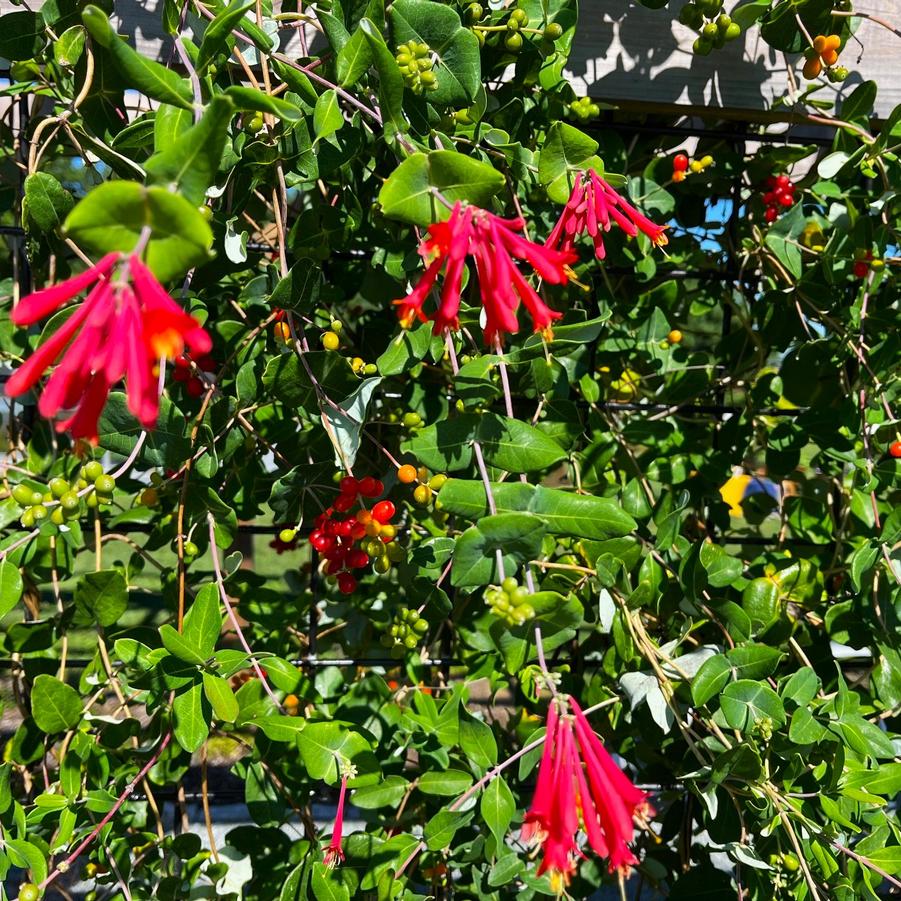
[[406, 350], [222, 699], [203, 621], [345, 420], [497, 808], [458, 65], [191, 161], [478, 742], [391, 82], [713, 674], [804, 729], [387, 793], [753, 661], [722, 567], [46, 203], [440, 830], [68, 48], [11, 586], [566, 152], [517, 536], [55, 706], [354, 58], [326, 886], [219, 31], [327, 115], [745, 703], [446, 782], [279, 727], [167, 445], [324, 744], [257, 101], [409, 192], [112, 216], [103, 596], [24, 854], [192, 714], [782, 238], [149, 77], [176, 643], [580, 515], [23, 35], [801, 687]]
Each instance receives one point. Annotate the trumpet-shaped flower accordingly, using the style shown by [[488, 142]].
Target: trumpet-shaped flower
[[334, 853], [124, 326], [495, 245], [593, 207], [580, 787]]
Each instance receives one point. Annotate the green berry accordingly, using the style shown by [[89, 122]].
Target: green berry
[[22, 495], [475, 12], [28, 891], [58, 487], [734, 31], [70, 501], [92, 500], [287, 535], [702, 46], [421, 626], [723, 22], [382, 565], [509, 585], [191, 549], [27, 519], [58, 516], [513, 42], [709, 31], [410, 642], [93, 471], [105, 484], [553, 31], [412, 420], [39, 512]]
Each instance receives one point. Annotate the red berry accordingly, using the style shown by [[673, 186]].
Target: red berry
[[680, 162], [771, 181], [769, 197], [181, 375], [357, 559], [344, 502], [370, 487], [786, 199], [383, 512], [349, 485], [783, 181], [770, 214], [207, 364], [345, 528], [182, 362], [357, 530], [334, 567], [895, 449], [861, 269], [346, 583], [194, 386]]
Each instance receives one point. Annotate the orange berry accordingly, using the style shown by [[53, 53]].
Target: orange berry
[[812, 68], [282, 332], [833, 42], [364, 516], [830, 57], [819, 43], [678, 176], [406, 474]]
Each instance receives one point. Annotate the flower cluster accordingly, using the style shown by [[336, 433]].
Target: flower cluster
[[593, 206], [494, 244], [336, 538], [580, 786], [125, 325]]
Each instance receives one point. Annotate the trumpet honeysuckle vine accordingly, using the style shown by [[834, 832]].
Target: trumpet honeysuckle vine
[[497, 500]]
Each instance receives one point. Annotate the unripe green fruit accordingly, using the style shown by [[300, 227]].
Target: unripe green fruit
[[191, 549], [370, 369], [27, 519], [58, 516], [421, 626], [92, 471], [709, 31], [513, 42], [37, 497], [39, 512], [58, 487], [381, 565], [723, 22], [733, 31], [92, 500], [509, 585], [105, 484], [702, 46], [475, 12], [22, 495], [553, 31], [287, 535], [28, 891], [410, 642], [70, 501], [47, 497]]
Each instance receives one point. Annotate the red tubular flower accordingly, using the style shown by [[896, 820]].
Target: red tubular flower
[[121, 330], [590, 208], [494, 244], [333, 853], [580, 787]]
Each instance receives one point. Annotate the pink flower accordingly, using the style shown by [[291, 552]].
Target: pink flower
[[591, 208], [580, 787], [333, 853], [121, 330], [494, 244]]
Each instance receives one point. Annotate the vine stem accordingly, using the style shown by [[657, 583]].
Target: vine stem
[[859, 15], [223, 594], [866, 862], [492, 774], [64, 866]]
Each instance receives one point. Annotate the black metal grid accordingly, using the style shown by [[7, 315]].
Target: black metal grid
[[737, 138]]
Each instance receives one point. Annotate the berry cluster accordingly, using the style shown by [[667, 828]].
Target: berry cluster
[[61, 500], [414, 59], [426, 487], [361, 367], [336, 538], [510, 602], [864, 261], [824, 54], [780, 192], [682, 165], [405, 633], [714, 27], [584, 109], [184, 372]]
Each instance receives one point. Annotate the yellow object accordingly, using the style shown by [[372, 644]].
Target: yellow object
[[733, 493]]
